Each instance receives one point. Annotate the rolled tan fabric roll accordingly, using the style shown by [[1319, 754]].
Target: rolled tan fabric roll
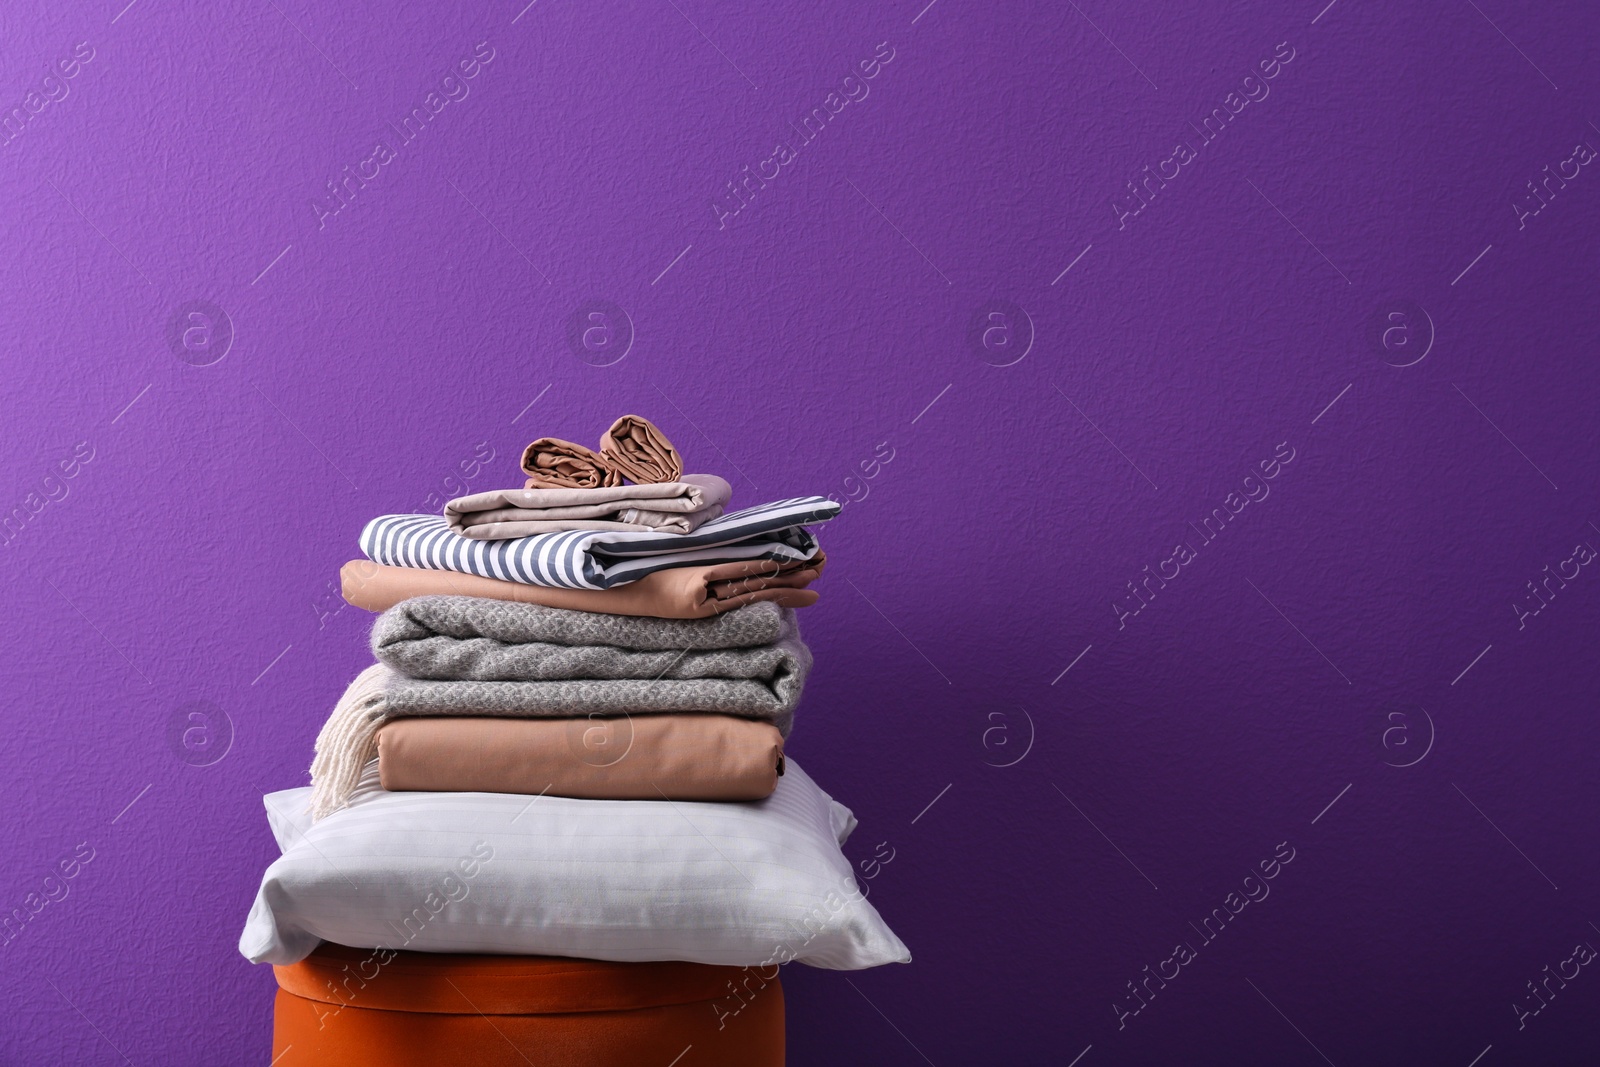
[[674, 593], [639, 757], [640, 451], [552, 463]]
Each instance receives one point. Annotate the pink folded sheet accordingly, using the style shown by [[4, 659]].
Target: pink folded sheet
[[673, 593], [638, 757]]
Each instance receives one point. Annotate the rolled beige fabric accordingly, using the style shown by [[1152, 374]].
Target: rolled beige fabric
[[638, 757], [640, 451], [674, 593], [551, 463]]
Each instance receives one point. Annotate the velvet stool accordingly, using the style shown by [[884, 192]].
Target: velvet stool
[[344, 1006]]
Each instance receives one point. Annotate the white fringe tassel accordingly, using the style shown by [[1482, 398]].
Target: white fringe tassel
[[348, 741]]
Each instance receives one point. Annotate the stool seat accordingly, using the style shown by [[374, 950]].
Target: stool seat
[[407, 1009]]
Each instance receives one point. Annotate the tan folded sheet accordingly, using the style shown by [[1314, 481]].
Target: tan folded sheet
[[664, 507], [641, 452], [674, 593], [552, 463], [639, 757], [633, 448]]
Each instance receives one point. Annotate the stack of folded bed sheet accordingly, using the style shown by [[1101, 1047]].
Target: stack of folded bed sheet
[[571, 740]]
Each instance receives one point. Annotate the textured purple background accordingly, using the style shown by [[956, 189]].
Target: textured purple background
[[1360, 618]]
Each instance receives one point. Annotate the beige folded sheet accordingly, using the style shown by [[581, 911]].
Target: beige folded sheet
[[674, 593], [661, 507], [639, 757]]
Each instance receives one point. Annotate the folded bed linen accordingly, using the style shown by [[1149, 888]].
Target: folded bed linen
[[645, 757], [463, 638], [636, 448], [552, 463], [665, 507], [755, 884], [466, 656], [581, 559], [633, 448], [674, 593]]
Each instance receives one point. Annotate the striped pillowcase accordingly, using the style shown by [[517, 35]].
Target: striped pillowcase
[[591, 559]]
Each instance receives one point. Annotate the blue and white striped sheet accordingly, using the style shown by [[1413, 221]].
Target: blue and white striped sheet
[[591, 559]]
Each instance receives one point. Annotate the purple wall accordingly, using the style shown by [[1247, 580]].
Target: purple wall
[[1346, 667]]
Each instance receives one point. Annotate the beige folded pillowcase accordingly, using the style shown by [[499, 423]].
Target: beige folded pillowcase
[[662, 507], [638, 757]]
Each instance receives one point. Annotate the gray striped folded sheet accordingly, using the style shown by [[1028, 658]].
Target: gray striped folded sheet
[[591, 559]]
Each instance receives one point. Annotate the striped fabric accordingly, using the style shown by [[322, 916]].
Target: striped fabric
[[590, 559]]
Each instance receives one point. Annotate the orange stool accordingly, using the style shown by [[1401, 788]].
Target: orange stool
[[343, 1006]]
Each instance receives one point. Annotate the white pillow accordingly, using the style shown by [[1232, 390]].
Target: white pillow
[[744, 884]]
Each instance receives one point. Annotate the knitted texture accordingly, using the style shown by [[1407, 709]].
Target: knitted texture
[[772, 700], [463, 637], [450, 655]]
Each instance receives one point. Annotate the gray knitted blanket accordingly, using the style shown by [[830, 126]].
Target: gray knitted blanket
[[463, 655], [466, 637], [455, 655]]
